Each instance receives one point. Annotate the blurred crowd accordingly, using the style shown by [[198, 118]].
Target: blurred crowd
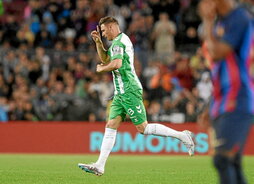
[[48, 60]]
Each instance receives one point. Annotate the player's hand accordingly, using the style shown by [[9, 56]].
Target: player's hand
[[99, 68], [207, 10], [96, 35], [204, 120]]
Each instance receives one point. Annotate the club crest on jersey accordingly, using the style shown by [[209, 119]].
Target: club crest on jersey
[[117, 50]]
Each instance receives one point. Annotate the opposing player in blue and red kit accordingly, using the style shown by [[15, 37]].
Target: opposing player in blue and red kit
[[229, 38]]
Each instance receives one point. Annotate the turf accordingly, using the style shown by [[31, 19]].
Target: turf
[[121, 169]]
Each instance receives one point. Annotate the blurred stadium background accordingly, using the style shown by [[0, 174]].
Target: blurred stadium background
[[52, 101], [47, 59]]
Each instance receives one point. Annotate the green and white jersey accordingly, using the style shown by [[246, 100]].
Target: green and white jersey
[[125, 78]]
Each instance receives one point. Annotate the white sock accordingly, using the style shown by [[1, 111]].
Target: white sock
[[161, 130], [106, 146]]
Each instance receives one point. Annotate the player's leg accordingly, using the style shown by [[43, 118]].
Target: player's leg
[[162, 130], [117, 114], [231, 131], [237, 164], [237, 160], [223, 156], [229, 167], [136, 110], [223, 163], [108, 140], [106, 147]]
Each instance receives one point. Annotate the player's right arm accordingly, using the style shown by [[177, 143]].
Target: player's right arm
[[102, 52], [216, 49], [220, 48]]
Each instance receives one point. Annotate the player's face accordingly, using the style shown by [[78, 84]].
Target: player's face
[[106, 31]]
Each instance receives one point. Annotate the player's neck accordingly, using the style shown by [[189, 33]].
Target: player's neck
[[118, 32]]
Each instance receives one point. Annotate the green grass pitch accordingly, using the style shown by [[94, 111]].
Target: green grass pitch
[[121, 169]]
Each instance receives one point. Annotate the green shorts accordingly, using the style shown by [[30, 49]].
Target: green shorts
[[130, 103]]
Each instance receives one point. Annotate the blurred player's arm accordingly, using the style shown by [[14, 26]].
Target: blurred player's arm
[[102, 52], [113, 65], [216, 48]]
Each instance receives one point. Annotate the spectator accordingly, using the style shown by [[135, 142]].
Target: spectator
[[153, 112], [57, 80], [49, 23], [205, 87], [103, 86], [163, 34], [11, 28], [160, 83], [34, 71], [58, 57], [139, 34], [3, 109], [184, 74], [166, 109], [191, 113], [35, 25], [81, 88], [44, 61], [9, 63], [149, 71], [4, 89]]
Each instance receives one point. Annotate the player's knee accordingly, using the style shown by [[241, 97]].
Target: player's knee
[[141, 128], [112, 125], [221, 162]]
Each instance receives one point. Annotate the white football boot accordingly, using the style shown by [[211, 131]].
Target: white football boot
[[91, 168], [188, 142]]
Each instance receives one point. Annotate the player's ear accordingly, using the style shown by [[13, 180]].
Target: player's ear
[[110, 27]]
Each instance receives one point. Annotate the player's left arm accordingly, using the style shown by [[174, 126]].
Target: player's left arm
[[113, 65]]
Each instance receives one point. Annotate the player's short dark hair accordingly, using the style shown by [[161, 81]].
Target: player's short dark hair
[[107, 20]]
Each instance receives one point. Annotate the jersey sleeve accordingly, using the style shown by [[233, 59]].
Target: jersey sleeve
[[234, 31], [117, 51]]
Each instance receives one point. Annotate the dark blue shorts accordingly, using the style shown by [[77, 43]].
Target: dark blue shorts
[[231, 130]]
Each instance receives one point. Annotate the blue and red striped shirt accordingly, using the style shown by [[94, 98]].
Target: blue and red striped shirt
[[233, 76]]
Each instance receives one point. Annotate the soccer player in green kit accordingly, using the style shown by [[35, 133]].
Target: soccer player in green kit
[[119, 59]]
